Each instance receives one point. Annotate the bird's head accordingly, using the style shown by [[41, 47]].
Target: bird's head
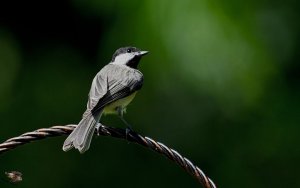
[[129, 56]]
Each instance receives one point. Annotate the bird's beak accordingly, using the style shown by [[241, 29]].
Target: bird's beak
[[142, 53]]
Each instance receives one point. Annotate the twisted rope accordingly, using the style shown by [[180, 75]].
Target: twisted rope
[[134, 137]]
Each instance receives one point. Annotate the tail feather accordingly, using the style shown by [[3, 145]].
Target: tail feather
[[82, 135]]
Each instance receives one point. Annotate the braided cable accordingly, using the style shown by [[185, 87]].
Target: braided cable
[[132, 136]]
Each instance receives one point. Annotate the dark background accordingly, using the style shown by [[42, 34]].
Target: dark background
[[221, 87]]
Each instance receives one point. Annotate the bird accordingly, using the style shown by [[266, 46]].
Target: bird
[[112, 89]]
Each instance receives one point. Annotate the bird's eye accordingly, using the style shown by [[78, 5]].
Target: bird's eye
[[128, 50]]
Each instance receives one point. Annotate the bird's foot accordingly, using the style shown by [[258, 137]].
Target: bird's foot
[[127, 131], [98, 128]]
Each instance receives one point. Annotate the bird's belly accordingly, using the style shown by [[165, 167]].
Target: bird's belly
[[112, 107]]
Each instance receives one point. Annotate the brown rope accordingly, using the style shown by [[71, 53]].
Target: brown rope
[[134, 137]]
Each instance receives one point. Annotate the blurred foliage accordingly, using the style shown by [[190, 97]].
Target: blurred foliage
[[221, 86]]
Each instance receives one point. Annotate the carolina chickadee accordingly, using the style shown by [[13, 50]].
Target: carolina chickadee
[[113, 88]]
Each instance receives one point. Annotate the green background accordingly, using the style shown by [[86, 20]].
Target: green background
[[221, 87]]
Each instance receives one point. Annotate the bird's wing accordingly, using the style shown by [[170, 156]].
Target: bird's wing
[[98, 89], [122, 82]]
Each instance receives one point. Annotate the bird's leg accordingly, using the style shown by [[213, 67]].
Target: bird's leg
[[98, 128], [120, 114]]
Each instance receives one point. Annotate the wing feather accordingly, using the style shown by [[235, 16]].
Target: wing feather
[[122, 83]]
